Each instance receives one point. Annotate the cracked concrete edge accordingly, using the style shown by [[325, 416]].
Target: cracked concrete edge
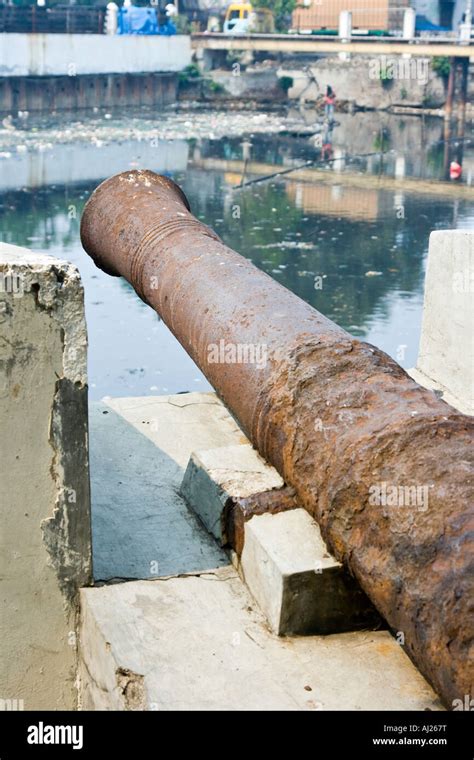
[[179, 400], [99, 684], [67, 533], [52, 287], [203, 574], [198, 646], [108, 681], [60, 293]]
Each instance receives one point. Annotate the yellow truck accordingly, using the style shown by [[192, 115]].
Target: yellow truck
[[241, 18], [237, 18]]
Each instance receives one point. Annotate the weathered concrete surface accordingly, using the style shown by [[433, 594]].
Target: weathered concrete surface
[[215, 475], [261, 83], [70, 54], [139, 451], [45, 515], [143, 528], [357, 80], [197, 642], [446, 357], [68, 92], [298, 585]]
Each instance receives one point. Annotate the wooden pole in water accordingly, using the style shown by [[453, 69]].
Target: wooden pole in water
[[448, 108], [463, 97]]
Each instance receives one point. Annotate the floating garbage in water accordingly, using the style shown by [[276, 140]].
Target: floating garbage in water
[[300, 245], [372, 273], [109, 128]]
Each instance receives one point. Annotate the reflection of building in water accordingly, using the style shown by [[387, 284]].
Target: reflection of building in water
[[73, 163], [335, 200]]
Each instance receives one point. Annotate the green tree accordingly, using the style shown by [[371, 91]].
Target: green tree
[[281, 9]]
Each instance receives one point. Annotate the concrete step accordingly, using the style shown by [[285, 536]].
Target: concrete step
[[199, 642], [216, 475], [285, 563], [143, 528], [192, 636]]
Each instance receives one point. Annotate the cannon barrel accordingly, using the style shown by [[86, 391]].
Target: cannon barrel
[[381, 463]]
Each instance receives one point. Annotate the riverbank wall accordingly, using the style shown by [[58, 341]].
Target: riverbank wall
[[44, 72]]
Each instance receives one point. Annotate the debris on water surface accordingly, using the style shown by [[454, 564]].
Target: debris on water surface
[[42, 133]]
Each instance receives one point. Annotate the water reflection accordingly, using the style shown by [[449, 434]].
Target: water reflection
[[355, 251]]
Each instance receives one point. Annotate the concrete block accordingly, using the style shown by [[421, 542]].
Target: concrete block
[[197, 643], [298, 585], [45, 552], [446, 357], [214, 476]]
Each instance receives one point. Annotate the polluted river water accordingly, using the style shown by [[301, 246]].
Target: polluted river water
[[351, 240]]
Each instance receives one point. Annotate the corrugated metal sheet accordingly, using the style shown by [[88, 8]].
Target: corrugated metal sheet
[[366, 14]]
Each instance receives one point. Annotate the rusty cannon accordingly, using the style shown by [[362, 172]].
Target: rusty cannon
[[381, 463]]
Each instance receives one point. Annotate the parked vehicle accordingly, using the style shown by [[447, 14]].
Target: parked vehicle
[[237, 18]]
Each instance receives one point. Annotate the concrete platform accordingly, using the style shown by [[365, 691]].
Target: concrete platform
[[139, 449], [190, 634], [142, 528], [199, 642]]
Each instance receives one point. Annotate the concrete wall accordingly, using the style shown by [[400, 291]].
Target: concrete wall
[[45, 541], [412, 81], [55, 93], [78, 54], [446, 358]]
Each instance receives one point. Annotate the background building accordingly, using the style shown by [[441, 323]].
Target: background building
[[373, 15]]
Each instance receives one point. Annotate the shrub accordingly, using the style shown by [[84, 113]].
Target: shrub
[[285, 83]]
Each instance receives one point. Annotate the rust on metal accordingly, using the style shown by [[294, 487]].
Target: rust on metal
[[382, 464], [238, 510]]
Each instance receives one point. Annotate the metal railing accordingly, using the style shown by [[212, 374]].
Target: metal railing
[[57, 20]]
